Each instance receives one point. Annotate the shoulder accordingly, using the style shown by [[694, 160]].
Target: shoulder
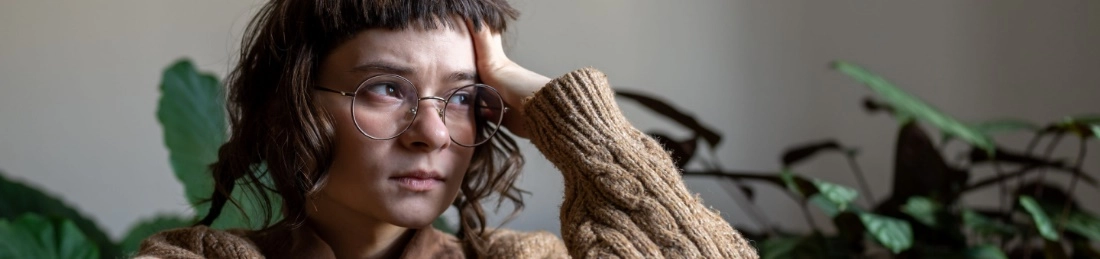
[[198, 242], [505, 243]]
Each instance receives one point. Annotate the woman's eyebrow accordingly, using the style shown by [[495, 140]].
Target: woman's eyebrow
[[383, 67], [463, 76], [391, 68]]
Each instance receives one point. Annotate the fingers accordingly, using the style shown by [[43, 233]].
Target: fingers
[[514, 82], [488, 48]]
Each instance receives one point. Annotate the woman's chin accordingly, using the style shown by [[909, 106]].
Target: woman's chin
[[415, 216], [415, 223]]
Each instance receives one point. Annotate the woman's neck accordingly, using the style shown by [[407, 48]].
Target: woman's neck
[[352, 235]]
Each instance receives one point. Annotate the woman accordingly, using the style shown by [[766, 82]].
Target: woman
[[372, 117]]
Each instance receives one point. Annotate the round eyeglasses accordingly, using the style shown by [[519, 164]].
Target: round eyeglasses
[[384, 106]]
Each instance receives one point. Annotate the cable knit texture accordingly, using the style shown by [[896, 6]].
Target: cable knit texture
[[623, 194]]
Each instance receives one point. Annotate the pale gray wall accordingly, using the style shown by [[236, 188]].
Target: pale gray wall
[[78, 82]]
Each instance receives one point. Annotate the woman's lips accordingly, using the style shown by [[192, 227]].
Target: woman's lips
[[419, 181]]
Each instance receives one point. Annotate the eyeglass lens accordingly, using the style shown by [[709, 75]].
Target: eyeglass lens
[[385, 107]]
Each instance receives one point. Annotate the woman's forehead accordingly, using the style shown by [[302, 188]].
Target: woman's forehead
[[433, 54]]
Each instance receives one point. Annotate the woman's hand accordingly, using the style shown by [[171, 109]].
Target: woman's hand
[[514, 82]]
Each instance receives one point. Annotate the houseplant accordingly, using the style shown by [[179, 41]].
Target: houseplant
[[920, 219], [922, 216]]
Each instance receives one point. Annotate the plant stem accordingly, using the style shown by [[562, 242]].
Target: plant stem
[[1002, 206], [1039, 187], [1031, 144], [714, 163], [1072, 184], [1046, 156], [1019, 173], [760, 177], [869, 198], [754, 212], [809, 219]]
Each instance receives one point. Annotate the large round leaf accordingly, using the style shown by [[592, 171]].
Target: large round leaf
[[20, 199], [192, 113], [35, 236]]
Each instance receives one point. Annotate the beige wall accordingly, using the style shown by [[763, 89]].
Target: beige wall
[[78, 81]]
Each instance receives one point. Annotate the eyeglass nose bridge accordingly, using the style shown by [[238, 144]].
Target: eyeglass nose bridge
[[437, 98]]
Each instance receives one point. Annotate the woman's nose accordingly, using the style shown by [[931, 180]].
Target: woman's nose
[[428, 131]]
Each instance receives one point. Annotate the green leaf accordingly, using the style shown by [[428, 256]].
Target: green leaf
[[789, 180], [997, 126], [1096, 130], [908, 106], [33, 200], [830, 208], [1006, 125], [797, 184], [191, 112], [1083, 119], [894, 234], [922, 209], [1084, 224], [1084, 125], [985, 252], [831, 198], [148, 227], [251, 205], [795, 155], [1042, 222], [663, 108], [838, 194], [779, 247], [441, 224], [985, 226], [815, 246], [35, 236]]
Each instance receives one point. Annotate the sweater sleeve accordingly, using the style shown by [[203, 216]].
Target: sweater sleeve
[[624, 197], [197, 242]]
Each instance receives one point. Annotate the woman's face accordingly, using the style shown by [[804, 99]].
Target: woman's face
[[410, 180]]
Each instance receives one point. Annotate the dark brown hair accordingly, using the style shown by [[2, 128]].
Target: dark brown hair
[[279, 132]]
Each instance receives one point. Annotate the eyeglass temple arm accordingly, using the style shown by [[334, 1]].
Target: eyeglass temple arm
[[334, 91]]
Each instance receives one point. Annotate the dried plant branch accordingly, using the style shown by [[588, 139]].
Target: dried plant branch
[[1082, 149]]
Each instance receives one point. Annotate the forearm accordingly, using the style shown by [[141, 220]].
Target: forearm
[[623, 194]]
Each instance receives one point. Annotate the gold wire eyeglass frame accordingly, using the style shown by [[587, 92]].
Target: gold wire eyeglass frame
[[416, 106]]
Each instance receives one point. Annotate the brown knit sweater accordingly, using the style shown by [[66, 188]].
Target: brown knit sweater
[[623, 196]]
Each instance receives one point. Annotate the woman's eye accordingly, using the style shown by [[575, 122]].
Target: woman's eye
[[385, 89], [460, 98]]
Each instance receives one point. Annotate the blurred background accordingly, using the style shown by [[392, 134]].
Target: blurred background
[[79, 84]]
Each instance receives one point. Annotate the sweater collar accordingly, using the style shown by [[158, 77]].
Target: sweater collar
[[303, 242]]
